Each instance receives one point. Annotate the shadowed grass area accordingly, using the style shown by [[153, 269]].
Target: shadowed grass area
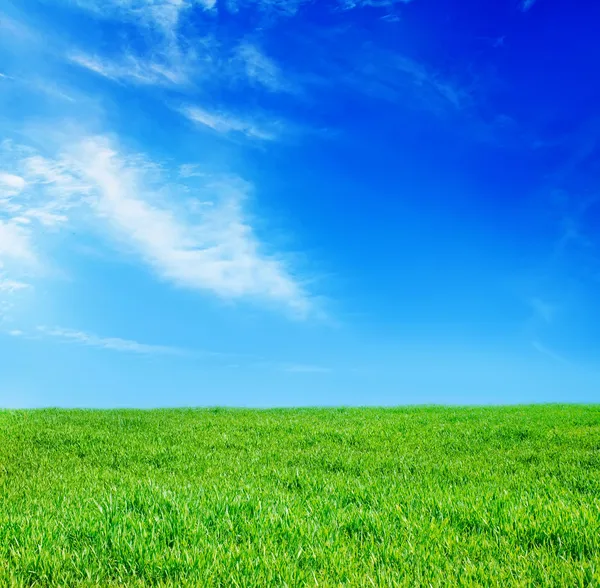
[[328, 497]]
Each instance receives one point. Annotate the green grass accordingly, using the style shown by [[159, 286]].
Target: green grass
[[328, 497]]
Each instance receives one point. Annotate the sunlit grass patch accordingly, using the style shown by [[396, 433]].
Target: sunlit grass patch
[[414, 496]]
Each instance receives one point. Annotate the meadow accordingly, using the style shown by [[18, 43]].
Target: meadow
[[423, 496]]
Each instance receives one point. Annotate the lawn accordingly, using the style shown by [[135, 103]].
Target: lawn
[[328, 497]]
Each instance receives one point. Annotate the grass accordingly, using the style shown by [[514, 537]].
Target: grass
[[356, 497]]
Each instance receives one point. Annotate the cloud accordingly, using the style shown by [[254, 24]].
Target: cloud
[[112, 343], [15, 244], [17, 253], [10, 184], [527, 4], [391, 77], [46, 217], [55, 177], [16, 30], [549, 353], [262, 70], [306, 369], [132, 69], [351, 4], [171, 64], [52, 90], [424, 78], [128, 200], [225, 123], [220, 253], [11, 286], [192, 170], [281, 8], [163, 57], [77, 337], [162, 16], [543, 309], [17, 257], [288, 8]]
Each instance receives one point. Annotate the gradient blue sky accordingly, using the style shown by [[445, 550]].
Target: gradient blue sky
[[284, 202]]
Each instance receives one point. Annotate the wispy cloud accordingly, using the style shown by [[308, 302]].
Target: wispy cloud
[[288, 8], [132, 69], [15, 244], [162, 16], [350, 4], [226, 123], [16, 29], [12, 285], [392, 77], [305, 369], [527, 4], [220, 253], [127, 200], [17, 259], [10, 184], [271, 8], [262, 70], [91, 340], [389, 77], [543, 309], [539, 347], [130, 346], [424, 77], [163, 57], [17, 253]]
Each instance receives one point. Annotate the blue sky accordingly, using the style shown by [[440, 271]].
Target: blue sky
[[274, 203]]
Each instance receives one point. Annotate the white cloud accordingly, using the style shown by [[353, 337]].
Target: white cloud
[[11, 181], [191, 170], [84, 338], [261, 69], [16, 259], [15, 244], [132, 69], [422, 76], [46, 217], [55, 176], [306, 369], [52, 192], [350, 4], [171, 60], [225, 123], [543, 309], [219, 252], [209, 248], [11, 286], [193, 232], [10, 185], [388, 76], [17, 30], [272, 7], [112, 343], [540, 348], [163, 15], [52, 90], [17, 252]]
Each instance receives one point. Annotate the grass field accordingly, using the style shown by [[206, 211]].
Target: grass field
[[356, 497]]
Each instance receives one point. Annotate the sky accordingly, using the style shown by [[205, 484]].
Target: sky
[[290, 202]]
